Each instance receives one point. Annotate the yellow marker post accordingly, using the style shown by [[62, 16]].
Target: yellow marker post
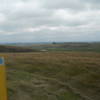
[[3, 92]]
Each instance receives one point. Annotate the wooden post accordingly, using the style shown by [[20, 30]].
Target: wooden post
[[3, 91]]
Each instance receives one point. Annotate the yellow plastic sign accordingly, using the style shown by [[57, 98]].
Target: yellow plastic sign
[[3, 91]]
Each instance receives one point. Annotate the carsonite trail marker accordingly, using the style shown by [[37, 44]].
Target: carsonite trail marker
[[3, 92]]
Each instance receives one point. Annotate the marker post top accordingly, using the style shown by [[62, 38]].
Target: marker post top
[[1, 61]]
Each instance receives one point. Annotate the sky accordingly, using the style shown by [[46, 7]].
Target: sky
[[49, 20]]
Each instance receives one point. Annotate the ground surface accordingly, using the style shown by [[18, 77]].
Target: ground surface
[[53, 75]]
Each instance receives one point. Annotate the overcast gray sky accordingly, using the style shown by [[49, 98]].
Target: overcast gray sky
[[49, 20]]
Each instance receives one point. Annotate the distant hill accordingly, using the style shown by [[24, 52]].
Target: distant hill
[[15, 49], [67, 46], [71, 46]]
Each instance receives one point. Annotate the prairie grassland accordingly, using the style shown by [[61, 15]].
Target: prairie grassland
[[53, 75]]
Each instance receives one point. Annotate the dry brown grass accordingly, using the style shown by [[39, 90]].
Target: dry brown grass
[[53, 75]]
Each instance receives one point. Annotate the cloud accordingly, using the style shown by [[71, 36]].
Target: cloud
[[49, 20]]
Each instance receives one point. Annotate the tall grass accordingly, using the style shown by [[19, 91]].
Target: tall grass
[[53, 75]]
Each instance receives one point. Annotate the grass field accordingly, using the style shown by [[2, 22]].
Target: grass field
[[53, 75]]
